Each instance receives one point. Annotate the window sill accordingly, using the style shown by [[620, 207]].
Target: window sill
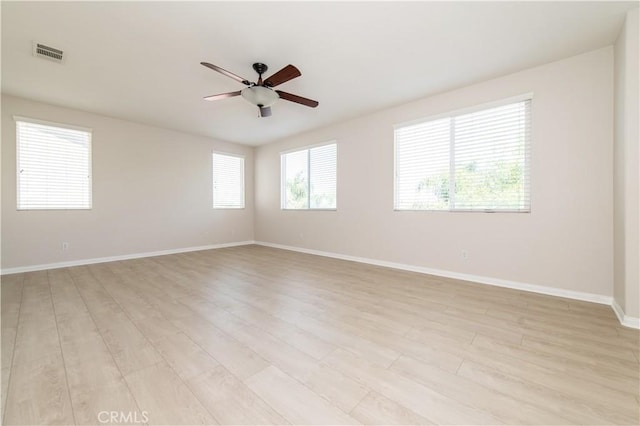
[[310, 210], [49, 209], [461, 211]]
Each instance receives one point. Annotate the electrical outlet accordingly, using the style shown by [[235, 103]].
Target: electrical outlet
[[464, 255], [65, 246]]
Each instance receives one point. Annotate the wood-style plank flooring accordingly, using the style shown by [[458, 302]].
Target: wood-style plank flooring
[[255, 335]]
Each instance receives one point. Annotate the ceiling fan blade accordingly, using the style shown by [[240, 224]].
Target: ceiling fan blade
[[297, 99], [265, 111], [285, 74], [227, 73], [222, 96]]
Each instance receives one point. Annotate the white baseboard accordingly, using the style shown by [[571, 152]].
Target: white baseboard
[[81, 262], [552, 291], [625, 319]]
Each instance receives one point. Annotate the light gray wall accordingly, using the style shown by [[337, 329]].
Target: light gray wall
[[152, 190], [627, 175], [565, 242]]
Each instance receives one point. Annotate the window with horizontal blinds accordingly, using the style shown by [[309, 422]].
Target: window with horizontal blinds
[[53, 165], [309, 178], [295, 180], [322, 177], [228, 181], [477, 161], [422, 174]]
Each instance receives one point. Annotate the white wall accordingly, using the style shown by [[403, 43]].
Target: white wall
[[627, 176], [151, 191], [565, 242]]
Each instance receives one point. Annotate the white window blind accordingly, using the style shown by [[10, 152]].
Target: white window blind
[[228, 181], [477, 161], [309, 178], [54, 167]]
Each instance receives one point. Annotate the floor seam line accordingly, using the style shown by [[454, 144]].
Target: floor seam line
[[13, 352], [64, 363]]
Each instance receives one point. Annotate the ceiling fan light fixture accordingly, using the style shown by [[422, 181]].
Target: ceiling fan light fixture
[[260, 96]]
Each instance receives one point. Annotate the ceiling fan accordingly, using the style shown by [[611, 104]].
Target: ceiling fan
[[261, 94]]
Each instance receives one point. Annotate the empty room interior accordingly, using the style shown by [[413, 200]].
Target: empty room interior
[[384, 213]]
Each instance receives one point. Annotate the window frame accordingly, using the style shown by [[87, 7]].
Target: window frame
[[452, 114], [21, 119], [308, 148], [243, 181]]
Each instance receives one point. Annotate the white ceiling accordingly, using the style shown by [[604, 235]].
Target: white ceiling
[[140, 61]]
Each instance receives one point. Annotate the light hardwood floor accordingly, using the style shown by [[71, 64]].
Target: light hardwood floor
[[254, 335]]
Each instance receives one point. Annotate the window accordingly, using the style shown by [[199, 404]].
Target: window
[[309, 178], [228, 181], [476, 161], [54, 166]]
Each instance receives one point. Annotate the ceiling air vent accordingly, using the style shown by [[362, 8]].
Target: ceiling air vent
[[47, 52]]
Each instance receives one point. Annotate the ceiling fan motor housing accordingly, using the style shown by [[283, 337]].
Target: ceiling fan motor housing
[[260, 68]]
